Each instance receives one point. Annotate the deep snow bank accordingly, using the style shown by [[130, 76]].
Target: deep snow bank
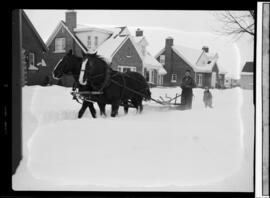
[[161, 147]]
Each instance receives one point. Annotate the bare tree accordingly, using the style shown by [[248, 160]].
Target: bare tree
[[236, 23]]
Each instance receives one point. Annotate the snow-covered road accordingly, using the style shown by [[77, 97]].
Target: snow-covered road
[[199, 149]]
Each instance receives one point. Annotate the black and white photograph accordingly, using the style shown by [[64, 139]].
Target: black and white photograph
[[135, 100]]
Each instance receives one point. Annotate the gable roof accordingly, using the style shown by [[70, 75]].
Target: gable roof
[[191, 57], [248, 67], [108, 48], [188, 54], [45, 48], [75, 38]]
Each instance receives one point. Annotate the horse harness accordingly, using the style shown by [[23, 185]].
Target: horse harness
[[107, 81]]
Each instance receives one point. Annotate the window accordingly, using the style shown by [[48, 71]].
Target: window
[[128, 51], [174, 77], [146, 75], [96, 41], [126, 68], [31, 58], [60, 44], [199, 79], [152, 76], [162, 59], [89, 42], [160, 80]]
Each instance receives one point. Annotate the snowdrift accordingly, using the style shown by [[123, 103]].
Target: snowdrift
[[199, 149]]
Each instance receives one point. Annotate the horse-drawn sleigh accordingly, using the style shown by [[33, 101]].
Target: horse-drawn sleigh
[[95, 81]]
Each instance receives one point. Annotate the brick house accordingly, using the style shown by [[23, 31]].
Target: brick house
[[116, 45], [35, 70], [246, 80], [203, 65]]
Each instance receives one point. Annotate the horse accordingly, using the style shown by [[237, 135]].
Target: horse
[[116, 86], [71, 64]]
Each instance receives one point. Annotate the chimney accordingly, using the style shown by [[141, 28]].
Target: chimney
[[71, 19], [206, 49], [139, 32], [169, 42], [168, 56]]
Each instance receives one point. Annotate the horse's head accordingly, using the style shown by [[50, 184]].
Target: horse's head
[[64, 66], [94, 64]]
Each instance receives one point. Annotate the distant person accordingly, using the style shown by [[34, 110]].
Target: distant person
[[207, 98], [187, 85]]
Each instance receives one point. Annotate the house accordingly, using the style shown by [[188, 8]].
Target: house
[[35, 70], [123, 51], [246, 80], [177, 59]]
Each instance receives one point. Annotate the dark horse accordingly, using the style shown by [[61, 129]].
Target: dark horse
[[71, 64], [117, 87]]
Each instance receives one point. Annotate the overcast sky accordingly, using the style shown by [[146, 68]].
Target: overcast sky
[[188, 28]]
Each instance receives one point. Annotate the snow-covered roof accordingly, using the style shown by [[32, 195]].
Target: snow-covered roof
[[150, 62], [32, 67], [107, 48], [105, 29], [110, 46], [246, 73], [191, 55], [138, 38]]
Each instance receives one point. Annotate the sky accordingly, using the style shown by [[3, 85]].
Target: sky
[[192, 29]]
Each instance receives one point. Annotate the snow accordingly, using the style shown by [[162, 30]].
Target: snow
[[32, 67], [138, 38], [247, 73], [107, 48], [192, 55], [151, 63], [161, 149], [85, 27]]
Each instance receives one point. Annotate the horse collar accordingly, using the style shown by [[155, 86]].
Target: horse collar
[[82, 72]]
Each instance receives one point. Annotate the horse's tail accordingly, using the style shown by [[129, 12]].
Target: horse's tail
[[147, 94]]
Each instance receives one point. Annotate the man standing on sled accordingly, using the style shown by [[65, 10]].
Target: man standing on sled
[[187, 85]]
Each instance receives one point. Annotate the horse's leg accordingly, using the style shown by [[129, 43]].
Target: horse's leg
[[83, 108], [125, 103], [135, 103], [140, 106], [102, 108], [92, 109], [114, 109]]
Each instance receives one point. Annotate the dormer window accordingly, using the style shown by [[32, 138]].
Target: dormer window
[[96, 41], [89, 42], [162, 59]]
